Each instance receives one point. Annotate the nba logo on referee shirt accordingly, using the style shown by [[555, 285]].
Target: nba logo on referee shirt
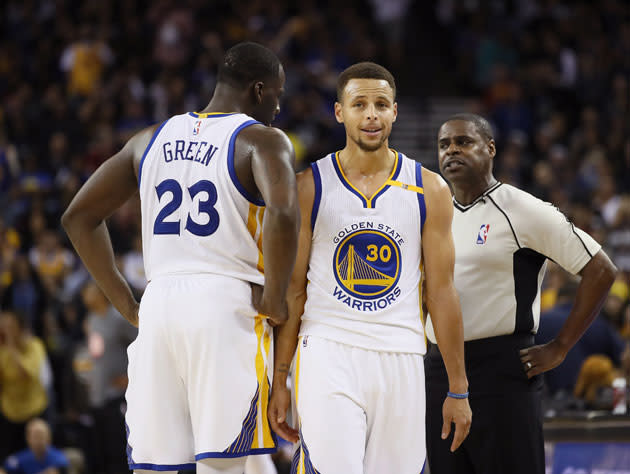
[[197, 126], [483, 234]]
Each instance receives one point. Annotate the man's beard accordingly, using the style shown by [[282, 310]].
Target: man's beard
[[368, 147]]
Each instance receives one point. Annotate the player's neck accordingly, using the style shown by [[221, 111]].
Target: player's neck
[[225, 99], [466, 192], [355, 160]]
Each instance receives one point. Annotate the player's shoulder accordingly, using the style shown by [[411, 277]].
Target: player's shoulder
[[314, 171], [305, 177], [434, 184], [306, 185], [140, 141], [258, 134]]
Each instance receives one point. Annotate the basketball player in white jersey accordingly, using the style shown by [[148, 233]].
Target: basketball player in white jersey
[[374, 224], [209, 184], [503, 237]]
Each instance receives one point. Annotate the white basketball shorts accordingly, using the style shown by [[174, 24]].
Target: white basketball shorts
[[198, 374], [360, 411]]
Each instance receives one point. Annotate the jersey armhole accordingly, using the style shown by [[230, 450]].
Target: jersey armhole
[[317, 179], [421, 203], [230, 161]]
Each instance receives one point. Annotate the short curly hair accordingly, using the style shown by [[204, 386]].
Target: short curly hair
[[364, 70], [248, 62]]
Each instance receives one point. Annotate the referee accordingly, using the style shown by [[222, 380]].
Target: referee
[[503, 237]]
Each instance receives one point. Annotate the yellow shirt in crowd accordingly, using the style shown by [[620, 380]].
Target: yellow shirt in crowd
[[22, 396]]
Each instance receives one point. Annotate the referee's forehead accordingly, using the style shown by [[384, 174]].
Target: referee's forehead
[[456, 128]]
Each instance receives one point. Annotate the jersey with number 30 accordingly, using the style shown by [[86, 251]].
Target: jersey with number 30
[[196, 216], [364, 270]]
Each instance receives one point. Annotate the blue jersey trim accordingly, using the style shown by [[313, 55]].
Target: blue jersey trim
[[424, 465], [318, 194], [243, 441], [393, 178], [333, 157], [308, 465], [146, 150], [421, 203], [129, 448], [232, 170], [162, 467], [219, 455]]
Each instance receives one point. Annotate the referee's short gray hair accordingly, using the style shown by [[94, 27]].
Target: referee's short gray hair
[[481, 124]]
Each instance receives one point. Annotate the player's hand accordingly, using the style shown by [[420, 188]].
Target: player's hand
[[132, 314], [539, 359], [274, 309], [277, 413], [456, 411]]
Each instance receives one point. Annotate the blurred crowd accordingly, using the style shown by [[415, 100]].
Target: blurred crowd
[[78, 78]]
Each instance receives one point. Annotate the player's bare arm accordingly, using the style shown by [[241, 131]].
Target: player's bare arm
[[443, 302], [286, 336], [598, 276], [271, 173], [111, 185]]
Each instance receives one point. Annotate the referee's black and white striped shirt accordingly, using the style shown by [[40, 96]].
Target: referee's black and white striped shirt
[[502, 242]]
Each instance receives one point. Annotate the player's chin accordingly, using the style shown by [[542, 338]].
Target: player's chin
[[452, 173], [371, 145]]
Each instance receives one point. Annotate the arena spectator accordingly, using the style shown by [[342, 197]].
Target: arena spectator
[[40, 457], [23, 380]]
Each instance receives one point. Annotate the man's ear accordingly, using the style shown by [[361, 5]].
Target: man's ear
[[492, 149], [258, 91], [338, 112]]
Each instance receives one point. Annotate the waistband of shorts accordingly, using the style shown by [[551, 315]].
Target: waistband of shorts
[[408, 343], [195, 276], [507, 341], [491, 345]]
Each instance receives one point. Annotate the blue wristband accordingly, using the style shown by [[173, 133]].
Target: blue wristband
[[459, 396]]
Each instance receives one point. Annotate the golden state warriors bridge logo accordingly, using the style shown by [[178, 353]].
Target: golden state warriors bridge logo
[[367, 267]]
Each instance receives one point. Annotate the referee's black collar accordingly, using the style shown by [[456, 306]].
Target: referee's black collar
[[463, 208]]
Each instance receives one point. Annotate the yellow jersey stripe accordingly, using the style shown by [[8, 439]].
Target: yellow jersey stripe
[[300, 468], [268, 440], [297, 371], [259, 242], [254, 223], [408, 187], [210, 114], [260, 370]]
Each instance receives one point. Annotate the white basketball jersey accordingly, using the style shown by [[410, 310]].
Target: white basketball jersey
[[196, 216], [364, 272]]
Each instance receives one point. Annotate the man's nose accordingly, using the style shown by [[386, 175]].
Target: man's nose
[[370, 111], [452, 148]]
